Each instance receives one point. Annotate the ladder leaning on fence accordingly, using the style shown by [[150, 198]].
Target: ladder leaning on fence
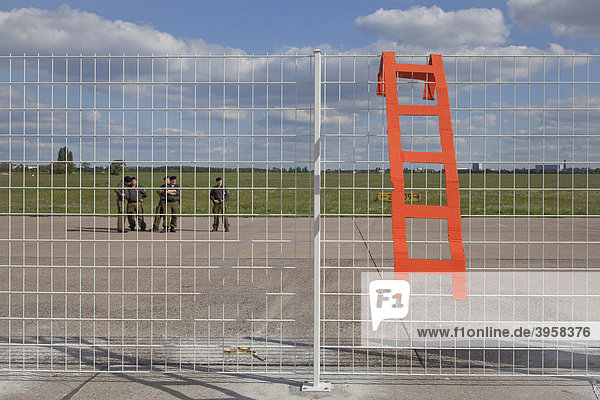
[[435, 80]]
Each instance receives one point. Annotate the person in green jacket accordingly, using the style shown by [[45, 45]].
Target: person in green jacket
[[135, 198], [121, 191], [173, 200], [161, 207], [219, 195]]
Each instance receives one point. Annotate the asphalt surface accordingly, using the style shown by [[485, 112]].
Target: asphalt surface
[[76, 295], [248, 386]]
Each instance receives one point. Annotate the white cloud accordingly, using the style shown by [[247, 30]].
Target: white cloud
[[414, 31], [565, 17], [298, 116], [477, 72], [32, 30], [92, 116], [434, 27]]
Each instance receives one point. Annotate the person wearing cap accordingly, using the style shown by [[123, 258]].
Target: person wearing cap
[[121, 191], [173, 199], [161, 207], [219, 195], [135, 197]]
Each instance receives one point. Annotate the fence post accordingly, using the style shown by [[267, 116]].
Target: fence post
[[316, 385]]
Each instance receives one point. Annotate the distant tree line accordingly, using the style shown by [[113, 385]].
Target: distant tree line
[[64, 165], [64, 162]]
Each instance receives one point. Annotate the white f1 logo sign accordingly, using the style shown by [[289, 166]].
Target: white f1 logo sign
[[389, 299]]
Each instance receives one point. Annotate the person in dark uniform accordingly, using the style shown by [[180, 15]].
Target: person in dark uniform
[[219, 195], [121, 191], [135, 197], [161, 207], [173, 199]]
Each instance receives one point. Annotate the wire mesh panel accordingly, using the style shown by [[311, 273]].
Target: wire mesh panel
[[526, 142], [78, 292], [196, 284]]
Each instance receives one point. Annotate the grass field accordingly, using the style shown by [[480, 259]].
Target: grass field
[[288, 193]]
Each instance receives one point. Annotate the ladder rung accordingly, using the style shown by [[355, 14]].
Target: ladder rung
[[429, 266], [414, 68], [423, 157], [403, 109], [423, 211]]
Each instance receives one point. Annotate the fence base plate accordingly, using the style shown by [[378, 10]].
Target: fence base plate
[[321, 387]]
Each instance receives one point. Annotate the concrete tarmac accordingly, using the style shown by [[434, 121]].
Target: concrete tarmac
[[78, 296], [246, 386]]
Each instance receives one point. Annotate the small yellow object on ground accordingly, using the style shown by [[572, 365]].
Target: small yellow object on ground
[[244, 350]]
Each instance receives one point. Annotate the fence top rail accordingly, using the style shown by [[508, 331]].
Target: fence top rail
[[295, 55], [549, 55], [179, 56]]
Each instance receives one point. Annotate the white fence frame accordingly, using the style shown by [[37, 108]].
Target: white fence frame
[[504, 112]]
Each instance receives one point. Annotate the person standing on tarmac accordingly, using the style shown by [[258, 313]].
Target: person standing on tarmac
[[173, 199], [135, 197], [161, 207], [219, 195], [121, 191]]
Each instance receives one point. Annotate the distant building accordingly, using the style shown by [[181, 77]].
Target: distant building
[[547, 168], [476, 167]]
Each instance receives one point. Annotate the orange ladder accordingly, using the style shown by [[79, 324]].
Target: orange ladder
[[435, 80]]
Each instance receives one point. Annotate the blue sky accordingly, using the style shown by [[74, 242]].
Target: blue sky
[[232, 127], [270, 26]]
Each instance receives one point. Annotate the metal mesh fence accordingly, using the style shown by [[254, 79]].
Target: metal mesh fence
[[77, 295], [527, 154]]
